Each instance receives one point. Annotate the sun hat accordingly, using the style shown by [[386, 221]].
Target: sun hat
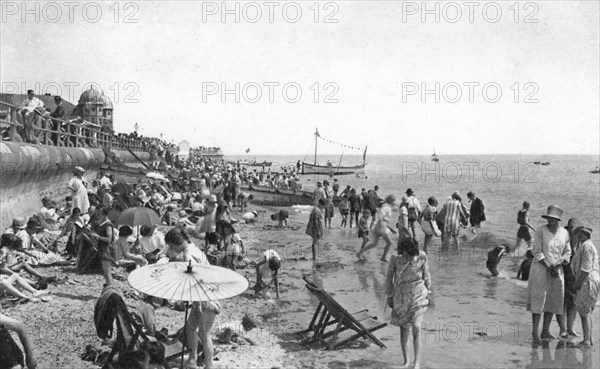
[[176, 196], [410, 192], [79, 170], [19, 222], [212, 199], [182, 214], [554, 212], [574, 223], [584, 229]]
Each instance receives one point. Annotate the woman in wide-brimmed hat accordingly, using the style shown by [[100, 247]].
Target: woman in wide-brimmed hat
[[545, 288], [587, 281]]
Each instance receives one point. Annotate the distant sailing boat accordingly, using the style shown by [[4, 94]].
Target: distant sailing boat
[[331, 169], [434, 157]]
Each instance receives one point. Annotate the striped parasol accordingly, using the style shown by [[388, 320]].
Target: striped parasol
[[180, 281]]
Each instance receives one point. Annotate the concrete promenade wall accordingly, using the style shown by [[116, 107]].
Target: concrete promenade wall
[[29, 172]]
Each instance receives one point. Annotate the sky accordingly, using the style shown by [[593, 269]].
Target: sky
[[398, 77]]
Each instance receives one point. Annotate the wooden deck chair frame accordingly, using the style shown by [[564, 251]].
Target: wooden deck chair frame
[[130, 333], [348, 326]]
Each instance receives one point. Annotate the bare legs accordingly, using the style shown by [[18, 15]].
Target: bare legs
[[404, 334], [17, 327], [427, 242], [7, 285], [198, 326], [586, 326], [315, 248], [535, 319], [107, 272]]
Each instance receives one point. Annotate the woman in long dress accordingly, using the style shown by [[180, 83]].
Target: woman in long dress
[[407, 286], [546, 285]]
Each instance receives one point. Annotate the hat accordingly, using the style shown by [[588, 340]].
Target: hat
[[585, 229], [79, 170], [319, 184], [212, 199], [255, 213], [471, 193], [410, 192], [553, 212], [182, 214], [176, 196], [19, 222], [390, 199], [574, 223]]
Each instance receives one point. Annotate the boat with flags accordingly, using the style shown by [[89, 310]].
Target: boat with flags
[[331, 169], [435, 158]]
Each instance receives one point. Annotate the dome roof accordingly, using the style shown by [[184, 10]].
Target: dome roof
[[106, 102], [90, 95]]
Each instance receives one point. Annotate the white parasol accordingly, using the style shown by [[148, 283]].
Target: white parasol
[[179, 281], [156, 176]]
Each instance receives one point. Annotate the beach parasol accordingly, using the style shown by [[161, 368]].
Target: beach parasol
[[134, 217], [156, 176], [181, 281]]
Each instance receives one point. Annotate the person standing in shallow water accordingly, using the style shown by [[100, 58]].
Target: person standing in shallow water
[[407, 286], [545, 288], [316, 226], [587, 281]]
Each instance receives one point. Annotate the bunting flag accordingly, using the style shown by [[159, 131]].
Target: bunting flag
[[338, 144]]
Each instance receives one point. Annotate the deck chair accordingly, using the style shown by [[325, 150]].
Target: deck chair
[[348, 327], [130, 334]]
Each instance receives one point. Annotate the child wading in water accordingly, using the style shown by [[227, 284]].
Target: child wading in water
[[363, 228], [494, 257], [344, 208]]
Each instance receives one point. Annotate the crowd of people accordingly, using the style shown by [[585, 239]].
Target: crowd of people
[[190, 208], [561, 264]]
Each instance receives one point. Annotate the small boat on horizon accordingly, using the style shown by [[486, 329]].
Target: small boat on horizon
[[435, 158], [595, 171]]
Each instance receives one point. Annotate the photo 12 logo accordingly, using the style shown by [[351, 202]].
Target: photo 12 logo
[[126, 92], [271, 92], [471, 92], [69, 11], [469, 11], [470, 172], [269, 11]]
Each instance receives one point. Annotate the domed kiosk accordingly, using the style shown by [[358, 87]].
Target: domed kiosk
[[95, 107]]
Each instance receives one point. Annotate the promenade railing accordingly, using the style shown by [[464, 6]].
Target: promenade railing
[[40, 128]]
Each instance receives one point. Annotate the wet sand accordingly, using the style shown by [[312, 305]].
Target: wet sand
[[476, 321]]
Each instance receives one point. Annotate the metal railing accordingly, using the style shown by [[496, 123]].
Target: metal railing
[[41, 128]]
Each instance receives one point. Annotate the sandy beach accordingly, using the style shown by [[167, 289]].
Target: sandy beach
[[474, 322]]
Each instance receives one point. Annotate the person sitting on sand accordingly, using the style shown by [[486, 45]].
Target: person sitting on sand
[[407, 286], [494, 257], [152, 243], [281, 218], [7, 284], [121, 248], [11, 361], [269, 263], [11, 264], [250, 217], [523, 273]]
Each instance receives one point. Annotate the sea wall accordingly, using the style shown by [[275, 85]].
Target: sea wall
[[29, 172]]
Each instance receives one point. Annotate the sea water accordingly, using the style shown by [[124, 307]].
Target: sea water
[[502, 182]]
